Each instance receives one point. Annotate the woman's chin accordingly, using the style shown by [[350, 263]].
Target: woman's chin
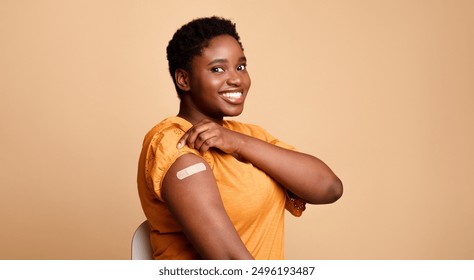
[[234, 113]]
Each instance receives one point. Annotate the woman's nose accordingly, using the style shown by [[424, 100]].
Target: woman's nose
[[234, 78]]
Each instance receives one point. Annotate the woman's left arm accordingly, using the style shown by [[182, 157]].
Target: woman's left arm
[[304, 175]]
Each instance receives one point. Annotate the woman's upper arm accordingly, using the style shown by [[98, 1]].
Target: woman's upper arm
[[196, 204]]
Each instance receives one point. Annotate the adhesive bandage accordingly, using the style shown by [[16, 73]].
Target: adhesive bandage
[[190, 170]]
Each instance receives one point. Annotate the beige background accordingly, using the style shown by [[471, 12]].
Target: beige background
[[383, 91]]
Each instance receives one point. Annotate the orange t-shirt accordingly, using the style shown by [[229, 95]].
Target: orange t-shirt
[[254, 202]]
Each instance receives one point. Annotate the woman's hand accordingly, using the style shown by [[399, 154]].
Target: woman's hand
[[207, 134]]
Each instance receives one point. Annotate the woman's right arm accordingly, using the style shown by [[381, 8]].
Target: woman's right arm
[[196, 204]]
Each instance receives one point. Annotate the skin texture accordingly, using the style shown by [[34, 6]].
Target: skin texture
[[195, 200]]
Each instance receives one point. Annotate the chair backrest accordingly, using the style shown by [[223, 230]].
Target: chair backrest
[[141, 246]]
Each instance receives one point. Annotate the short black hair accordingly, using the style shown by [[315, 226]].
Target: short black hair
[[191, 38]]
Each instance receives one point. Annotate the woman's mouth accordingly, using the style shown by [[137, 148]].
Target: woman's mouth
[[233, 97]]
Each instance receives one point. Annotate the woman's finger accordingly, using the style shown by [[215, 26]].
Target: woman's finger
[[191, 135], [182, 141], [203, 138]]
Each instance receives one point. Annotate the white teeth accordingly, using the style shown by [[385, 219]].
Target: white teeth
[[233, 95]]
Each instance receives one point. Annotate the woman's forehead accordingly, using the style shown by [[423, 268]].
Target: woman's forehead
[[222, 47]]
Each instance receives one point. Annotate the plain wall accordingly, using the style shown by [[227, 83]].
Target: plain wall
[[382, 91]]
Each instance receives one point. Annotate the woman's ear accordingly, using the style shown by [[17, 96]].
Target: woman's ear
[[182, 79]]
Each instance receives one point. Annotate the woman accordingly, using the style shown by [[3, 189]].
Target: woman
[[212, 188]]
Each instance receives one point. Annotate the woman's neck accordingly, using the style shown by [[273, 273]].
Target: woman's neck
[[193, 116]]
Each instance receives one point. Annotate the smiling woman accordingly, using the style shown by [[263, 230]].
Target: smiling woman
[[213, 188], [221, 69]]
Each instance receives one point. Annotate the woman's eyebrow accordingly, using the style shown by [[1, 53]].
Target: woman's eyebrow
[[225, 60], [218, 60]]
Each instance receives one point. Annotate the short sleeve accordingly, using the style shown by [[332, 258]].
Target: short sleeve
[[162, 153]]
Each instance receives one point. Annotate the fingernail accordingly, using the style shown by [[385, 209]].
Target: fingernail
[[180, 145]]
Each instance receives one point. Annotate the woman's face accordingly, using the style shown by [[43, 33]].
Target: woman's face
[[218, 79]]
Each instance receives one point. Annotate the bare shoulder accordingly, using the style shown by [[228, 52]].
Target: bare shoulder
[[192, 196], [189, 174]]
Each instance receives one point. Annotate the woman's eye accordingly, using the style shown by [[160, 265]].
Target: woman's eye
[[217, 70], [242, 67]]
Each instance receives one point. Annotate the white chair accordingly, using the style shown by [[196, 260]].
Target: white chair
[[141, 246]]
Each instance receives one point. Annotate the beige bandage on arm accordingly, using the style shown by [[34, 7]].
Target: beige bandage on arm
[[190, 170]]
